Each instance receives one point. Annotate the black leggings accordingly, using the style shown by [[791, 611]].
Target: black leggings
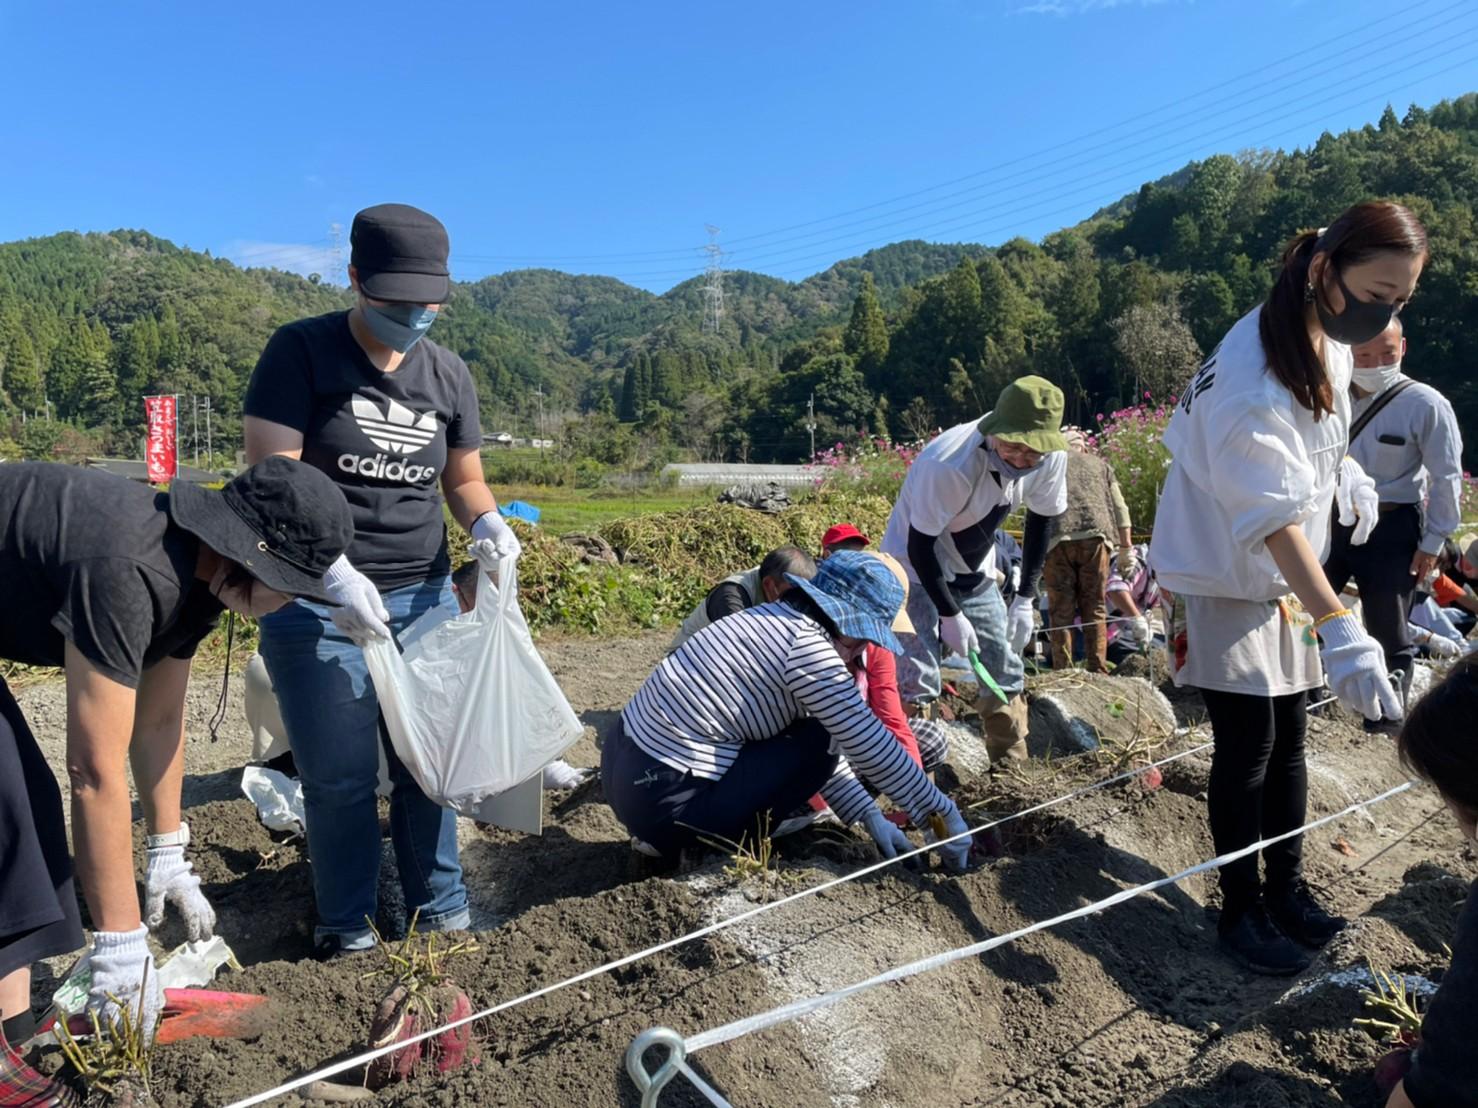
[[1259, 787]]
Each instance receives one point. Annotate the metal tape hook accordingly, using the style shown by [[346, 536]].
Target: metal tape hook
[[651, 1085]]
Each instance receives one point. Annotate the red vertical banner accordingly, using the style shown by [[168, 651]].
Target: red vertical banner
[[159, 454]]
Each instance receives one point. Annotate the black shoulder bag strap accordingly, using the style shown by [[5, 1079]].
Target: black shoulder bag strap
[[1375, 409]]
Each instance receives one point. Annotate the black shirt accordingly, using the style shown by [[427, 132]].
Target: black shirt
[[382, 437], [1442, 1070], [90, 558]]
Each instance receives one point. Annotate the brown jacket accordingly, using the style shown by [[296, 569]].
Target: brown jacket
[[1095, 506]]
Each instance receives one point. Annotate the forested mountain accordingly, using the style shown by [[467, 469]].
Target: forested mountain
[[900, 340]]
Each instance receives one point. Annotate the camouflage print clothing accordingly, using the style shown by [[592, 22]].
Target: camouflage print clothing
[[1076, 577]]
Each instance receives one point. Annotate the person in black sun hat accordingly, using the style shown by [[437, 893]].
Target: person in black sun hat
[[118, 584]]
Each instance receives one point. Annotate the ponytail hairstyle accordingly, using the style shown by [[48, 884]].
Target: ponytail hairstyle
[[1367, 229], [1436, 742]]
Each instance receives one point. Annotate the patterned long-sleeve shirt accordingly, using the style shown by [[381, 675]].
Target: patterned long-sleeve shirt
[[749, 677]]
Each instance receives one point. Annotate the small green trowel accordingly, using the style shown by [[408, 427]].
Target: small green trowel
[[983, 676]]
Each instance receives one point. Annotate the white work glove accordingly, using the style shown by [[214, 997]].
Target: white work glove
[[493, 537], [123, 973], [1440, 646], [890, 838], [1359, 504], [1138, 630], [956, 855], [360, 614], [1127, 563], [171, 878], [562, 775], [958, 633], [1020, 622], [1355, 669]]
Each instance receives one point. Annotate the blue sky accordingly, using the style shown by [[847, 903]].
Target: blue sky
[[602, 137]]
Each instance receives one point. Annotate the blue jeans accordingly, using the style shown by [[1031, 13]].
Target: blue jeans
[[333, 724], [669, 809], [918, 668]]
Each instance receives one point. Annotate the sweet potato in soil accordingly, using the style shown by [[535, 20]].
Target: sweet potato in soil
[[403, 1015], [122, 1094]]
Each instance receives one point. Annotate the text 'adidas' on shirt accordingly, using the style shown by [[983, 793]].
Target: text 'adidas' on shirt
[[382, 437]]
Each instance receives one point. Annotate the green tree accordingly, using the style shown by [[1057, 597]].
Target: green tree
[[39, 438], [78, 355], [628, 394], [1157, 350], [866, 336], [23, 381], [1210, 308], [97, 395]]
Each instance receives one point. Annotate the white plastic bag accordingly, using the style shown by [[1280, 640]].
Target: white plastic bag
[[278, 798], [471, 708]]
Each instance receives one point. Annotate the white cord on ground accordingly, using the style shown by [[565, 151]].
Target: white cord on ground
[[668, 944], [1079, 626], [712, 928], [787, 1012]]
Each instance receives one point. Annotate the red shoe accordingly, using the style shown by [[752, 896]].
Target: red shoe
[[23, 1087]]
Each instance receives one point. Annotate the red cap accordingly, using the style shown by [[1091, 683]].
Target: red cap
[[841, 533]]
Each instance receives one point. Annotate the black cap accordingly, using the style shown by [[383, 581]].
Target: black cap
[[400, 253], [283, 521]]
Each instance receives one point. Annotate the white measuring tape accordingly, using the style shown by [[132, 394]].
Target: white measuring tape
[[684, 1047], [712, 928], [669, 944]]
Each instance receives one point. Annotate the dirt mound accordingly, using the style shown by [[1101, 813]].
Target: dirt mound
[[1304, 1049], [1131, 1006], [1073, 712]]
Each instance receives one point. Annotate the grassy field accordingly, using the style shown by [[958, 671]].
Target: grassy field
[[570, 509]]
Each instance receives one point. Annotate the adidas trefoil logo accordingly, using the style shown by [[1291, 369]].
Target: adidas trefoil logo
[[398, 431]]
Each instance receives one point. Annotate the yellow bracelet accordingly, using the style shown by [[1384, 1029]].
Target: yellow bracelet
[[1322, 620]]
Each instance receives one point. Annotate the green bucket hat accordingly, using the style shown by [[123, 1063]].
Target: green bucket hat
[[1029, 411]]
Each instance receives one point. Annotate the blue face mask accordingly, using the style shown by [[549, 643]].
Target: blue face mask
[[1005, 468], [399, 326]]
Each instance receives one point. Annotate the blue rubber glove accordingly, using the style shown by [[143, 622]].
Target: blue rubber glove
[[955, 855], [890, 839]]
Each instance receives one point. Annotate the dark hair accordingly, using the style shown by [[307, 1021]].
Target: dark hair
[[787, 559], [465, 577], [1374, 227], [1436, 742], [801, 601]]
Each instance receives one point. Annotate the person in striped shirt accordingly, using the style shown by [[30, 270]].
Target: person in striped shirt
[[758, 712]]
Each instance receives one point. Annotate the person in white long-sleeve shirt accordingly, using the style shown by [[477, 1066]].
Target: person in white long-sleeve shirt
[[942, 529], [1258, 444], [1413, 451], [755, 714]]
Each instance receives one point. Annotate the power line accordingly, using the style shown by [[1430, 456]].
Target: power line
[[978, 231], [967, 221], [1128, 173], [1161, 131], [1158, 157], [1301, 58]]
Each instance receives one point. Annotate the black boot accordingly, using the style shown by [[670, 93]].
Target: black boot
[[1255, 941], [1301, 917]]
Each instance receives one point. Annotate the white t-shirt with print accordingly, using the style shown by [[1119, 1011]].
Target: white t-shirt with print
[[951, 486], [1247, 460]]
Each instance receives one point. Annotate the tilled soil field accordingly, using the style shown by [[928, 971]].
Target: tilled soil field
[[1130, 1006]]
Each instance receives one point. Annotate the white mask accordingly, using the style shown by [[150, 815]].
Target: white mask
[[1377, 378], [243, 593]]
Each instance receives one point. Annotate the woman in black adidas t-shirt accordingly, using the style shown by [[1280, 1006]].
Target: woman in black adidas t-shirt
[[392, 418]]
